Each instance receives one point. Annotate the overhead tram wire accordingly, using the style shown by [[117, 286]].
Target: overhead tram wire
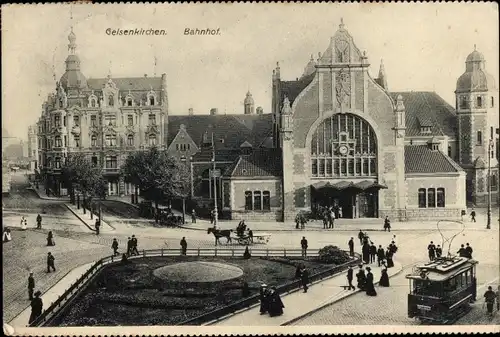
[[451, 238]]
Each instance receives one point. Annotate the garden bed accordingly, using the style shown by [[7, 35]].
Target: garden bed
[[130, 294]]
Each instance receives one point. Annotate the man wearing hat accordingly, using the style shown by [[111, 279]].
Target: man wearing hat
[[36, 307], [50, 262], [31, 286], [350, 273], [263, 299]]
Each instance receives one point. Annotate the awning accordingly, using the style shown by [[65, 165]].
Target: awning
[[342, 185]]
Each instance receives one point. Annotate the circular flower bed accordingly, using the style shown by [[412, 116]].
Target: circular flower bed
[[198, 272]]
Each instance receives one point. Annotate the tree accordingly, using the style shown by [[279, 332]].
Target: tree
[[79, 174], [159, 175]]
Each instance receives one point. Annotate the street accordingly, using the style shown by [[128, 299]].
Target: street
[[77, 245]]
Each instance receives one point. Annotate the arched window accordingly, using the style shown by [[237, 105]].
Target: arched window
[[257, 201], [93, 102], [431, 197], [111, 100], [479, 139], [344, 145], [422, 198], [152, 140], [151, 100], [266, 201], [129, 101], [93, 141], [130, 140], [110, 140], [248, 201], [440, 197]]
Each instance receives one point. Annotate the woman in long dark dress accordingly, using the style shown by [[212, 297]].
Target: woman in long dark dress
[[50, 239], [360, 276], [384, 278], [264, 301], [370, 288], [388, 255], [275, 304], [366, 252]]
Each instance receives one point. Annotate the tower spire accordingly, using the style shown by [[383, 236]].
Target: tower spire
[[71, 36], [382, 78]]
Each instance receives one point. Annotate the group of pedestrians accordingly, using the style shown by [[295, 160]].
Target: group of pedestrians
[[465, 251], [300, 221], [131, 246], [370, 252], [34, 296], [270, 301], [329, 215]]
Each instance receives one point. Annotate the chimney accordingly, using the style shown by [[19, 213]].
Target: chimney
[[190, 111], [213, 111]]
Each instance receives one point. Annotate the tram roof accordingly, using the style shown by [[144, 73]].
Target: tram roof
[[442, 269]]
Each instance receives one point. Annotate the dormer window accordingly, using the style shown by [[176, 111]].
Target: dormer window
[[435, 146], [425, 129]]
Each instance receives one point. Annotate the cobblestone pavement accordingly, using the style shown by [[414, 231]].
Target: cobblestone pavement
[[390, 306]]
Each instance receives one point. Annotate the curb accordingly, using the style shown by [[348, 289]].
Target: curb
[[84, 222], [334, 302], [121, 201], [46, 198]]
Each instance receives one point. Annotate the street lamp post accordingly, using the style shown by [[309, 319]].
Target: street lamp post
[[216, 213], [490, 149]]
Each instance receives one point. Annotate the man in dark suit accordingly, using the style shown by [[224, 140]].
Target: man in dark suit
[[380, 255], [31, 286], [351, 247], [350, 276]]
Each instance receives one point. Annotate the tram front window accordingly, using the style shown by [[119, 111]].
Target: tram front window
[[426, 288]]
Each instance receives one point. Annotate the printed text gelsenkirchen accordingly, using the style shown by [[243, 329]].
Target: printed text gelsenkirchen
[[136, 31]]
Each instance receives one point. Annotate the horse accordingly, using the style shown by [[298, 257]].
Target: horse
[[218, 233]]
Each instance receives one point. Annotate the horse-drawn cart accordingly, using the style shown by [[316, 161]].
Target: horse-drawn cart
[[242, 239]]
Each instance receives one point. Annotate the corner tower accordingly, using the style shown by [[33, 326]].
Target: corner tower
[[476, 106], [249, 104]]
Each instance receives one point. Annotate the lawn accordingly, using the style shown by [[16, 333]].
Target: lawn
[[131, 295]]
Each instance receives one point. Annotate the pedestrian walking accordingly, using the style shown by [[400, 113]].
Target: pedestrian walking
[[193, 216], [50, 262], [340, 212], [184, 245], [387, 224], [212, 217], [325, 219], [489, 297], [431, 250], [350, 274], [31, 286], [384, 278], [38, 221], [304, 278], [351, 247], [129, 246], [297, 221], [331, 218], [473, 215], [303, 221], [380, 255], [36, 307], [361, 277], [439, 251], [134, 242], [468, 249], [250, 235], [366, 252], [97, 226], [462, 252], [370, 287], [361, 236], [373, 252], [303, 245], [114, 246], [276, 306], [24, 224], [263, 299], [389, 258], [50, 239]]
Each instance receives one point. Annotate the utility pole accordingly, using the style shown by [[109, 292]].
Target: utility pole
[[216, 213], [490, 149]]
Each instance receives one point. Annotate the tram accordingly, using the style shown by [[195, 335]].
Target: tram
[[441, 290]]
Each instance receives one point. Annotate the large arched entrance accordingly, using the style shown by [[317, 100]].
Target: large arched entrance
[[344, 167]]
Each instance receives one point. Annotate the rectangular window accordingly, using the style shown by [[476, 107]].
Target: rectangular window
[[493, 182], [130, 120], [130, 140], [93, 141], [479, 102], [177, 147], [57, 121], [431, 197], [328, 167], [226, 195], [336, 167], [440, 197], [94, 161], [76, 120], [58, 162], [58, 141], [479, 138], [492, 101], [248, 201], [77, 141], [65, 141], [266, 201], [449, 151], [93, 120], [422, 198], [343, 166], [321, 167], [257, 202], [64, 121], [152, 119], [110, 140], [110, 120], [314, 167], [111, 162]]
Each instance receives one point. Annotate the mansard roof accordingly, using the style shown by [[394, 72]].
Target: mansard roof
[[127, 83], [230, 131], [425, 108]]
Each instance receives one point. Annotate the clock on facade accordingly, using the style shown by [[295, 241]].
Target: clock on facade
[[343, 149]]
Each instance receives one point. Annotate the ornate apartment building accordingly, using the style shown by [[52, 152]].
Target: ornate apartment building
[[104, 118]]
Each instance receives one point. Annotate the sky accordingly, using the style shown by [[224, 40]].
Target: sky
[[423, 47]]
